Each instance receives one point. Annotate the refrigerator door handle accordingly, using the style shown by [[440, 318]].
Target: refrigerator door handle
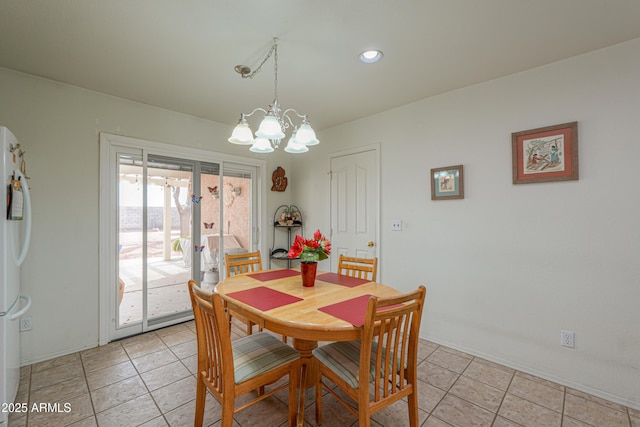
[[27, 217], [17, 314]]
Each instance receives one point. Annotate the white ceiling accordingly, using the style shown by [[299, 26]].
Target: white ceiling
[[180, 54]]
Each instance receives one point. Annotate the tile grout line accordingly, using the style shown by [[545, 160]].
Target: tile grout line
[[446, 392], [139, 375], [29, 392], [86, 381], [564, 402], [170, 348], [503, 398]]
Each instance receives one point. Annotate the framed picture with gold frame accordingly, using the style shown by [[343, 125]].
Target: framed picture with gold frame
[[447, 183], [545, 154]]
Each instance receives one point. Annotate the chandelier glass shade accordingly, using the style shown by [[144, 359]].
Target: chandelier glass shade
[[273, 127]]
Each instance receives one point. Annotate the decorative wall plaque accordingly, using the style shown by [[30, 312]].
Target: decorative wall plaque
[[279, 180]]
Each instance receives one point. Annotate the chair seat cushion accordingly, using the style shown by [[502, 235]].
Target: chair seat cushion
[[343, 358], [259, 353]]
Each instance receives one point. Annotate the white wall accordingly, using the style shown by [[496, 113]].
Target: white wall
[[510, 266], [58, 126]]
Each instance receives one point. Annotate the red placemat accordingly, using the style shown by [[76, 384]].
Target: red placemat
[[342, 280], [265, 276], [352, 310], [264, 298]]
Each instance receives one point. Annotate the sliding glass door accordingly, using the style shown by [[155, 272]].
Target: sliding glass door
[[154, 216], [174, 220]]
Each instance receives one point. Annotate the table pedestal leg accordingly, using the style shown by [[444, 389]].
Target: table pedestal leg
[[305, 347]]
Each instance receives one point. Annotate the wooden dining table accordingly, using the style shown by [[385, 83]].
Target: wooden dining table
[[332, 310]]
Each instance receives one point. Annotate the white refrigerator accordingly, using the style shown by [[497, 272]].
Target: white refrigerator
[[15, 234]]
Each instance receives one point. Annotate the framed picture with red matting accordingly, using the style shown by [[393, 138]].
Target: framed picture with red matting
[[545, 154]]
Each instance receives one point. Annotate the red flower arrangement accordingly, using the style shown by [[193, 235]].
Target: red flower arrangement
[[310, 250]]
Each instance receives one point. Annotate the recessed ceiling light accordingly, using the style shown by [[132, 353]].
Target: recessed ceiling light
[[370, 56]]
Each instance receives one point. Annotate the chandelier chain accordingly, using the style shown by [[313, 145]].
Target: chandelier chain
[[275, 69], [273, 49]]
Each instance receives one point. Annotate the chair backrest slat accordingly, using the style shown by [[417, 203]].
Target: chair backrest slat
[[361, 268]]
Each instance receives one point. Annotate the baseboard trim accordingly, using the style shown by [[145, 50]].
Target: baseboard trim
[[65, 352], [544, 375]]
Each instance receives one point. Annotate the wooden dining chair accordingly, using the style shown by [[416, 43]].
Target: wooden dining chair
[[229, 369], [362, 268], [379, 369], [248, 262]]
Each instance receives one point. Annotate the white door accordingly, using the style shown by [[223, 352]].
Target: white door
[[355, 204]]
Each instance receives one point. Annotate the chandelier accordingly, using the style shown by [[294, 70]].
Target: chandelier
[[275, 122]]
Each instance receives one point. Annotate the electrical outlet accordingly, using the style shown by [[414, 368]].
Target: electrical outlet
[[25, 323], [396, 225], [567, 339]]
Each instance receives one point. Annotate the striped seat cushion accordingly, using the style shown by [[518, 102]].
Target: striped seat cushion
[[259, 353], [343, 358]]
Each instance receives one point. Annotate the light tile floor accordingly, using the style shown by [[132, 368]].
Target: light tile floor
[[149, 380]]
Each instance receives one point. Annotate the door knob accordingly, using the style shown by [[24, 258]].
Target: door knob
[[371, 244]]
